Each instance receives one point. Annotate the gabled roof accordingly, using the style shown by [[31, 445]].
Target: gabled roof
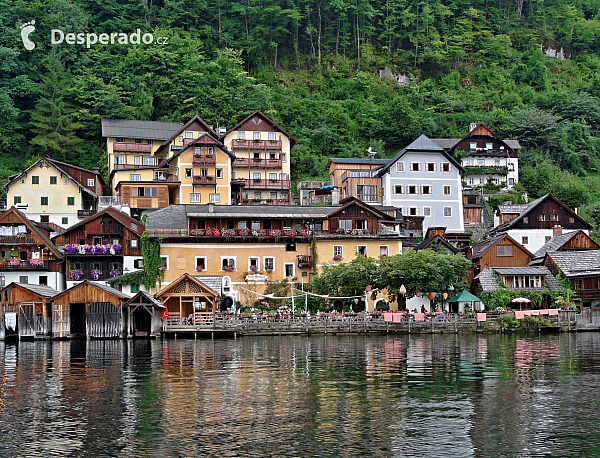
[[481, 248], [200, 140], [575, 264], [425, 145], [531, 205], [489, 281], [56, 165], [191, 278], [556, 242], [266, 118], [194, 118], [464, 296], [40, 290], [123, 218], [449, 143], [210, 281], [33, 228], [115, 292], [431, 242], [350, 200], [130, 128], [356, 161], [512, 208], [476, 132], [147, 297]]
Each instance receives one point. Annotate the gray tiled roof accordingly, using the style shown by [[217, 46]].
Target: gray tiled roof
[[488, 280], [555, 243], [150, 298], [211, 281], [434, 241], [448, 143], [44, 291], [355, 160], [517, 208], [110, 289], [481, 247], [577, 263], [130, 128]]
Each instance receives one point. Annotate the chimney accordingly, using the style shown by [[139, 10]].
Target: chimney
[[472, 125], [335, 197], [95, 169], [556, 230]]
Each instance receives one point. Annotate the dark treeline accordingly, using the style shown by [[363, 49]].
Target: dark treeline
[[315, 66]]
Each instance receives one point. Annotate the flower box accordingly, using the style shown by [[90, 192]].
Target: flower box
[[77, 274]]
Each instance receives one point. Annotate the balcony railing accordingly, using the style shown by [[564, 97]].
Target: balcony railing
[[313, 184], [24, 265], [14, 240], [266, 201], [132, 147], [367, 197], [85, 213], [133, 166], [170, 177], [262, 163], [109, 201], [204, 159], [486, 170], [224, 234], [588, 293], [256, 144], [356, 174], [304, 260], [204, 179], [263, 183]]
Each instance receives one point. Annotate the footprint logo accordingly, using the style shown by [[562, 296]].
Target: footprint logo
[[26, 29]]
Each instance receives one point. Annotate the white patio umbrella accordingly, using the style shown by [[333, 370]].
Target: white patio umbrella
[[521, 301]]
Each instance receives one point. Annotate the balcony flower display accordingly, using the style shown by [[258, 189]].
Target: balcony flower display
[[104, 249], [82, 249], [228, 269], [93, 249], [253, 269], [352, 231], [199, 268], [96, 274], [303, 259], [337, 257], [36, 262], [77, 274], [114, 273], [15, 262], [116, 248], [70, 249]]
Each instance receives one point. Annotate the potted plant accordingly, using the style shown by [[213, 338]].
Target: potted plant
[[228, 269], [96, 274], [77, 274], [337, 257], [199, 268], [253, 269]]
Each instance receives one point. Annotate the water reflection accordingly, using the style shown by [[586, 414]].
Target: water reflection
[[436, 395]]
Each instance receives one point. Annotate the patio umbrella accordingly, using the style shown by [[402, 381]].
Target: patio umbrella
[[521, 301]]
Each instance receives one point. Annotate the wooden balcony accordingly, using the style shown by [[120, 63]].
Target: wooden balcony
[[133, 166], [13, 240], [169, 178], [204, 159], [304, 260], [266, 145], [265, 183], [588, 293], [266, 202], [204, 180], [258, 163], [85, 213], [24, 265], [356, 174], [132, 147]]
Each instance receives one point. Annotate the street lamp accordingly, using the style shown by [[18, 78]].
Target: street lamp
[[403, 293], [355, 303]]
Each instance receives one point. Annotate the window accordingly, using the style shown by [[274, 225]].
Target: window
[[210, 150], [497, 162], [16, 200], [95, 265], [426, 211], [253, 264], [415, 166], [138, 264], [90, 182], [361, 250], [361, 224], [290, 246], [273, 176], [524, 240], [228, 264], [272, 136], [164, 263], [413, 211], [554, 217], [119, 159], [269, 264], [398, 189], [189, 135], [255, 225], [480, 161], [160, 175], [70, 200], [547, 238], [219, 173], [65, 220], [256, 135], [53, 180], [197, 150], [44, 219], [43, 201], [488, 145], [241, 135], [195, 198], [345, 224], [181, 139], [425, 189], [447, 190], [257, 195], [412, 189], [200, 263], [256, 176], [134, 288], [76, 266], [447, 211], [288, 269], [120, 140], [366, 193], [241, 224], [430, 166], [578, 284], [204, 172], [43, 280], [472, 145], [504, 250], [383, 251], [571, 220], [446, 167], [133, 243], [526, 220], [35, 180], [147, 160], [337, 252], [400, 166], [135, 177], [215, 198], [24, 279], [188, 173]]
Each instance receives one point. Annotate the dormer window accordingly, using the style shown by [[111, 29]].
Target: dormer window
[[488, 145], [189, 135], [472, 145], [197, 150]]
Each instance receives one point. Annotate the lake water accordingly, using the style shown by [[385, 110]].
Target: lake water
[[329, 396]]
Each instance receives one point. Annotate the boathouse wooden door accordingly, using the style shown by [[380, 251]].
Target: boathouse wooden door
[[26, 320], [103, 320], [61, 320]]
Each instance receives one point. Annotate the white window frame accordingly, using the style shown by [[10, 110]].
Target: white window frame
[[196, 263], [265, 262], [273, 176], [197, 150], [210, 150], [387, 250], [119, 160], [119, 140], [449, 167], [185, 173], [472, 145], [195, 198], [426, 212], [214, 198], [341, 250], [480, 162], [228, 257], [271, 136], [147, 160], [283, 157], [362, 246], [285, 264], [167, 259], [408, 193], [400, 166], [411, 166], [257, 263], [91, 182], [255, 135], [241, 135], [136, 160], [219, 173], [135, 177], [416, 211], [189, 134], [256, 176], [444, 212], [489, 145]]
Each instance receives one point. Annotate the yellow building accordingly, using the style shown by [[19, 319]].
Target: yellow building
[[261, 170], [51, 191]]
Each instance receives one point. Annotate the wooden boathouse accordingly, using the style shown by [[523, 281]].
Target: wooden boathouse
[[143, 312]]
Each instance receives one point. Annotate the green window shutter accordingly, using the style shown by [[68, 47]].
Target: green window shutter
[[70, 200], [135, 288], [17, 200], [52, 180], [43, 200], [35, 180]]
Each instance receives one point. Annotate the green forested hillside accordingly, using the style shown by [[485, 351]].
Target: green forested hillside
[[314, 67]]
